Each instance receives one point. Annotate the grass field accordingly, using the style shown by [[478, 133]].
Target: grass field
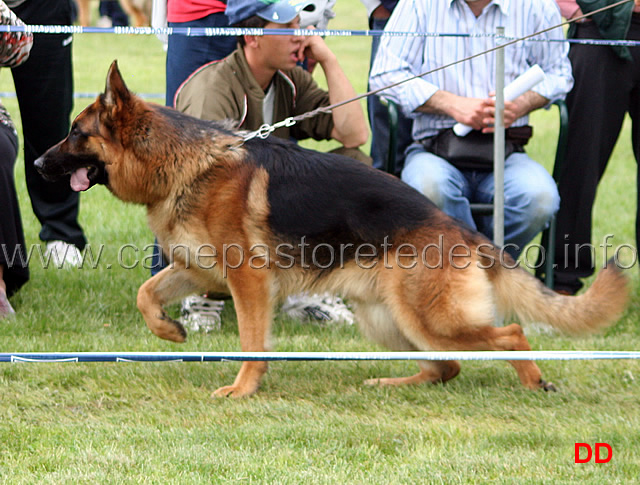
[[314, 423]]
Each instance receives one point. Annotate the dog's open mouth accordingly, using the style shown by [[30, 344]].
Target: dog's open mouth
[[86, 177], [81, 178], [85, 171]]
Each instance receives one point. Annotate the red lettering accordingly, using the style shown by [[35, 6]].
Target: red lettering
[[609, 453], [577, 453]]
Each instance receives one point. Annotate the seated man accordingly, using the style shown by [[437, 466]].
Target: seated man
[[261, 82], [461, 93]]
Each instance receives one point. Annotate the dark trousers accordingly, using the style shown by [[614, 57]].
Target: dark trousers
[[44, 87], [606, 88], [186, 54], [12, 246], [112, 9]]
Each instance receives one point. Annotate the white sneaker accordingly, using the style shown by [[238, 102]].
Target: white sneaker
[[61, 253], [104, 22], [201, 313], [324, 308]]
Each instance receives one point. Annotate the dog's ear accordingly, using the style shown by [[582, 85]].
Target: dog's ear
[[115, 90]]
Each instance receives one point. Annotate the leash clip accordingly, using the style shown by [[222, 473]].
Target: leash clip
[[265, 130]]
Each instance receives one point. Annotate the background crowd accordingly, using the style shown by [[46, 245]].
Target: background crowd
[[263, 79]]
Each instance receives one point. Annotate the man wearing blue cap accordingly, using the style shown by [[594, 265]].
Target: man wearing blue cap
[[261, 82]]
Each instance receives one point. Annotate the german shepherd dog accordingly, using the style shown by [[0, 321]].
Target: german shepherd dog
[[276, 219]]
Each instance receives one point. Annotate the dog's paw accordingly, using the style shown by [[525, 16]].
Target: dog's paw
[[384, 381], [547, 386], [373, 382], [169, 329], [232, 391]]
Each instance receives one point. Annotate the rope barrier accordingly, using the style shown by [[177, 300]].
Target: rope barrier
[[235, 31], [78, 357]]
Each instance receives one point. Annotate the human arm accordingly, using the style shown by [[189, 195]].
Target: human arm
[[471, 81], [569, 8], [480, 113], [349, 124], [14, 46], [551, 57], [400, 58]]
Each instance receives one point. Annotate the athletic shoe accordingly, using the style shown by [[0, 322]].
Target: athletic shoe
[[200, 313], [104, 22], [320, 307], [62, 253]]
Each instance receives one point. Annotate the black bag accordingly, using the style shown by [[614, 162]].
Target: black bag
[[475, 151]]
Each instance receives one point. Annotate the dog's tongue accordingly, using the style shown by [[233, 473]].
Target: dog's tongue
[[79, 180]]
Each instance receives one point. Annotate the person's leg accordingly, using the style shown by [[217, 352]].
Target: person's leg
[[13, 261], [186, 54], [634, 112], [594, 128], [118, 16], [440, 181], [44, 87], [530, 200]]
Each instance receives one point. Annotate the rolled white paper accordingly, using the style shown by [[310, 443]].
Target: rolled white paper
[[520, 85]]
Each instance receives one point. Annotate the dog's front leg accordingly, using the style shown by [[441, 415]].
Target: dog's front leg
[[170, 284], [251, 293]]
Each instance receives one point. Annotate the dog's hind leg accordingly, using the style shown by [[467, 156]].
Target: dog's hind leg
[[512, 337], [168, 285], [461, 317], [434, 371], [376, 322], [456, 336], [507, 338]]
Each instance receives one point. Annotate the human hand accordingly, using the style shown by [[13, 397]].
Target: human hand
[[314, 48], [473, 112], [512, 111]]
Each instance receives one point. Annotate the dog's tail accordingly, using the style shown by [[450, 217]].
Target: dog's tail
[[521, 295]]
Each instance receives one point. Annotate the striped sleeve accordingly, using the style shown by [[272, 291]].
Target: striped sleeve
[[14, 46]]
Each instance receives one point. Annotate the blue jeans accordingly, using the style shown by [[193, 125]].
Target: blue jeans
[[379, 118], [530, 193], [186, 54]]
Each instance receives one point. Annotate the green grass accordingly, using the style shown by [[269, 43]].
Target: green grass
[[310, 422]]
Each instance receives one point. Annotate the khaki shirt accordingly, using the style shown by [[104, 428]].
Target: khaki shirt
[[226, 89]]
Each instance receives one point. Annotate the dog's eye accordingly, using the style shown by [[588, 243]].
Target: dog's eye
[[75, 131]]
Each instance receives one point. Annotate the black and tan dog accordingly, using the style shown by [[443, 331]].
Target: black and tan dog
[[262, 219]]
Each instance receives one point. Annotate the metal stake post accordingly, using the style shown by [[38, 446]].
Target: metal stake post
[[498, 145]]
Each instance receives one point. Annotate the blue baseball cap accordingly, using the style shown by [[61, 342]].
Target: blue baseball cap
[[277, 11]]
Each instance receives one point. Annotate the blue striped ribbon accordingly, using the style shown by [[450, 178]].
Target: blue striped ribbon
[[235, 31], [314, 356]]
